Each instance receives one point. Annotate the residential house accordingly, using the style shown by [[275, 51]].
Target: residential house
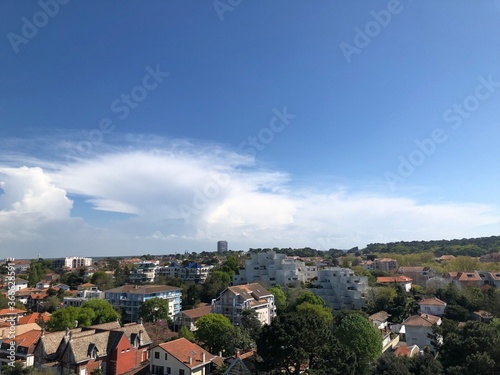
[[8, 314], [444, 258], [20, 284], [340, 288], [20, 329], [433, 306], [129, 298], [84, 293], [188, 318], [492, 257], [34, 318], [180, 357], [43, 284], [419, 275], [143, 273], [24, 348], [417, 330], [234, 299], [380, 320], [403, 281], [465, 279], [490, 278], [109, 347], [482, 316]]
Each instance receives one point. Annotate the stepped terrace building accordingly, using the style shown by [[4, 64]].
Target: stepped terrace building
[[341, 288], [129, 298], [274, 268]]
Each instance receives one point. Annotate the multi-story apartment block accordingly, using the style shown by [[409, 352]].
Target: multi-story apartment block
[[72, 262], [143, 273], [83, 294], [386, 264], [234, 299], [194, 272], [129, 298], [221, 246], [272, 268], [341, 288]]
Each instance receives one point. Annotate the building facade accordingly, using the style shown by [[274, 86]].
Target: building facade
[[129, 299], [341, 288], [221, 246], [274, 268], [72, 262], [234, 299], [192, 272]]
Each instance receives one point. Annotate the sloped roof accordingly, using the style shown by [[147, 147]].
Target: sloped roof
[[32, 318], [80, 346], [423, 320], [393, 279], [52, 340], [432, 301], [380, 316], [405, 351], [237, 368], [25, 342], [182, 349], [198, 312], [247, 291], [11, 312], [133, 330]]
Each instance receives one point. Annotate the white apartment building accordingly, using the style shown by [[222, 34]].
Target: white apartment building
[[72, 262], [273, 268], [341, 288], [194, 272], [82, 296], [143, 273]]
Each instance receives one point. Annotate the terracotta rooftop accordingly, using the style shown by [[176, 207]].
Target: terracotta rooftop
[[182, 349], [32, 318], [4, 312], [432, 301], [423, 320], [247, 291], [25, 342], [381, 316], [465, 276], [405, 351], [393, 279]]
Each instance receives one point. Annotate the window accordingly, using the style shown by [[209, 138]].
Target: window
[[157, 355], [166, 356], [169, 370], [181, 372]]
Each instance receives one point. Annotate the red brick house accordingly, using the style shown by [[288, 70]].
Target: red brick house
[[109, 347]]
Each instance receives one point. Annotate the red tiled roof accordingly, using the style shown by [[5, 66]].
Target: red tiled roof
[[404, 350], [182, 349], [11, 312], [424, 320], [32, 318], [395, 279], [432, 301]]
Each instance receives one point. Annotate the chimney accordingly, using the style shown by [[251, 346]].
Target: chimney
[[139, 321], [71, 335], [43, 332], [76, 324], [67, 331], [140, 337], [190, 359], [203, 357]]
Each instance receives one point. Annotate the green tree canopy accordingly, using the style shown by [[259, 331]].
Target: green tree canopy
[[103, 311], [70, 317], [279, 298], [359, 335], [154, 309], [212, 332]]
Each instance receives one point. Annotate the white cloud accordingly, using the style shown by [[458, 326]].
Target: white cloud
[[185, 197]]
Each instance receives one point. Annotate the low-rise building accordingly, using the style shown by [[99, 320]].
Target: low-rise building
[[432, 306], [180, 357], [189, 317], [143, 273], [386, 264], [192, 272], [24, 349], [465, 279], [72, 262], [417, 330], [419, 275], [402, 281], [234, 299], [380, 320], [82, 296]]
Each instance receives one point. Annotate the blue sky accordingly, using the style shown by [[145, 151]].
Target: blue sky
[[158, 127]]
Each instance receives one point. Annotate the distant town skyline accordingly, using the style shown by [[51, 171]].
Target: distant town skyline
[[161, 127]]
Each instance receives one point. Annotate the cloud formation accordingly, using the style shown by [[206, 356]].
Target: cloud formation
[[185, 196]]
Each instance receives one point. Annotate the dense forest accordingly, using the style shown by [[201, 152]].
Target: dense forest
[[473, 247]]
